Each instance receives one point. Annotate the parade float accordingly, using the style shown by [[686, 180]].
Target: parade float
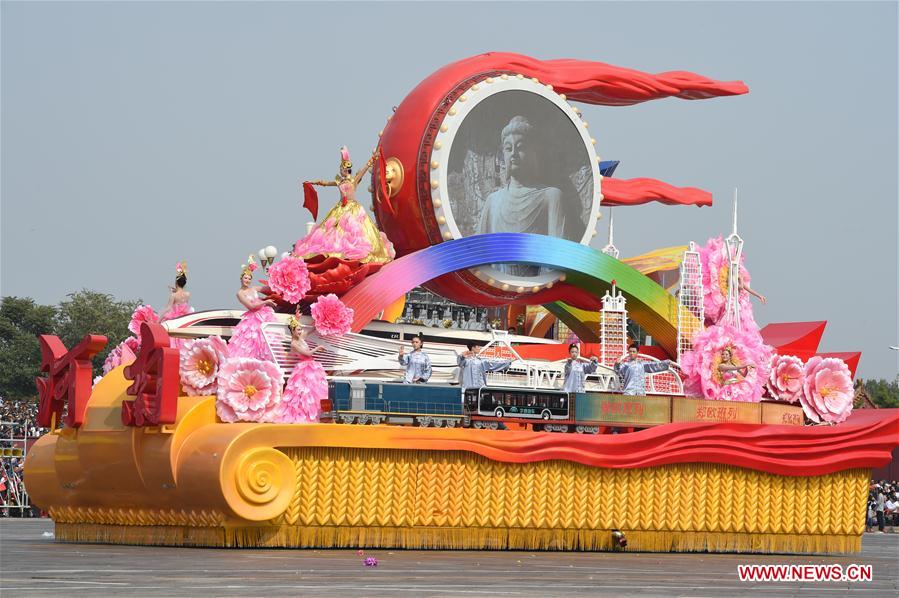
[[287, 424]]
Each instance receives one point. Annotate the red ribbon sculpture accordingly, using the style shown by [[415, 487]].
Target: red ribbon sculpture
[[156, 380], [69, 379]]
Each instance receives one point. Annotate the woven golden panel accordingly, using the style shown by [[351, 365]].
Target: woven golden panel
[[456, 500], [400, 489]]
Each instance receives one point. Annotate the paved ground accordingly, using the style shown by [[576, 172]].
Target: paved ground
[[33, 564]]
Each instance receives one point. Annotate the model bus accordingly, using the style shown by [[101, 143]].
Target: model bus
[[358, 401]]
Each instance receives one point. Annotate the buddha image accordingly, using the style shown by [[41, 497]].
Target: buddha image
[[519, 165], [525, 204]]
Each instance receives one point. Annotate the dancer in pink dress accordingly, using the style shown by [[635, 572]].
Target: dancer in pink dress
[[247, 339], [731, 374], [179, 301], [307, 385]]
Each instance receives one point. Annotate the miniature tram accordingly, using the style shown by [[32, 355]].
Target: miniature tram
[[359, 401]]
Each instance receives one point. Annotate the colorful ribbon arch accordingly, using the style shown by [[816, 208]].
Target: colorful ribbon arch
[[649, 304]]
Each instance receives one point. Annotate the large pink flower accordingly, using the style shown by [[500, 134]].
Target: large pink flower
[[290, 279], [786, 378], [248, 390], [715, 275], [123, 354], [200, 362], [331, 316], [827, 391], [701, 364], [143, 313]]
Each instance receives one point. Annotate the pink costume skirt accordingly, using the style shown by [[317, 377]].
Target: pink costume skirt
[[247, 339], [734, 388], [176, 311], [305, 390]]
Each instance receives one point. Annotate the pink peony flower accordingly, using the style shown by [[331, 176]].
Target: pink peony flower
[[700, 365], [248, 390], [123, 354], [827, 392], [200, 362], [786, 378], [226, 413], [143, 313], [331, 316], [290, 279], [715, 275]]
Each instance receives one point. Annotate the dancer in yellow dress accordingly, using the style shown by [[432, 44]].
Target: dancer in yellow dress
[[347, 232]]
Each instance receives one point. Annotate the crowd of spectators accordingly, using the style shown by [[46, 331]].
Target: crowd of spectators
[[883, 506], [18, 428], [23, 417]]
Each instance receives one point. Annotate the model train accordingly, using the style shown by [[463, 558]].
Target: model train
[[359, 401], [355, 401]]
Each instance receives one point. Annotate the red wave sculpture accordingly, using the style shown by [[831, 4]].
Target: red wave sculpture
[[865, 440], [605, 84], [635, 192]]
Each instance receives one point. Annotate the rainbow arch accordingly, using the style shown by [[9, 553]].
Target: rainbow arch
[[651, 306]]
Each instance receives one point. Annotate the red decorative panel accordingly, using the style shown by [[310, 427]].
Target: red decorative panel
[[865, 440], [69, 378], [791, 338], [156, 380]]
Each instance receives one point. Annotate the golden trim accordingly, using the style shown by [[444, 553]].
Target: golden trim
[[136, 516], [286, 536]]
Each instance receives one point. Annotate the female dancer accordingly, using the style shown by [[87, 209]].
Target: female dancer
[[179, 299], [307, 385], [577, 368], [247, 339], [417, 363], [731, 372], [347, 232]]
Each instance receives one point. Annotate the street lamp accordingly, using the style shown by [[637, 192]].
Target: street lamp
[[267, 256]]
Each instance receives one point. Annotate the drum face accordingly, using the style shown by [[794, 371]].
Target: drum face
[[499, 153], [517, 164]]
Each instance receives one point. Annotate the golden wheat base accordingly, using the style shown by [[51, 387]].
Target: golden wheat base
[[202, 483], [286, 536]]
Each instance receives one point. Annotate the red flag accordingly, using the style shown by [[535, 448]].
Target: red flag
[[633, 192], [310, 199]]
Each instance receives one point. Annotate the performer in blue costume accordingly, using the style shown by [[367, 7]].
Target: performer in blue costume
[[577, 368], [633, 372], [417, 363], [474, 368]]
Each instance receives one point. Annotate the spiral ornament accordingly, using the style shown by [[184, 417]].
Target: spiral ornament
[[264, 481]]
